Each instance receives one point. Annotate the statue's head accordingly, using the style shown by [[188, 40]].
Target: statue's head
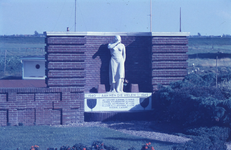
[[117, 38]]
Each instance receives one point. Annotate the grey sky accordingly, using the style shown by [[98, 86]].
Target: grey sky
[[208, 17]]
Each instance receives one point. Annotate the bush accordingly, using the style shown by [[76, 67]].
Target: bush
[[98, 145], [147, 146], [206, 138], [34, 147], [66, 148], [196, 103], [132, 148], [80, 146]]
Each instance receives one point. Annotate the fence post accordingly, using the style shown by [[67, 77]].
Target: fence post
[[5, 62], [216, 71]]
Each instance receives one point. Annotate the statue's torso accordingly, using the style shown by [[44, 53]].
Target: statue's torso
[[117, 51]]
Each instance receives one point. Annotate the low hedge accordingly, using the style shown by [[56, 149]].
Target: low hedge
[[96, 145]]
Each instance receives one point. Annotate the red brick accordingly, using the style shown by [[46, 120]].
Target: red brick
[[169, 64], [66, 40], [66, 82], [26, 116], [66, 65], [170, 40], [66, 73], [3, 117], [66, 48], [165, 80], [3, 97], [169, 48], [169, 56], [47, 97], [51, 117], [169, 73], [66, 57]]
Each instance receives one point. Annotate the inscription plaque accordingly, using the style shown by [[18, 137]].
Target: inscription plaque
[[118, 102]]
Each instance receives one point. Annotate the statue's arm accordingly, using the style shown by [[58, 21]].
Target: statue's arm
[[124, 53]]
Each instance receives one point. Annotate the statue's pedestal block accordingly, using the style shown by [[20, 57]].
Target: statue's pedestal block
[[117, 102]]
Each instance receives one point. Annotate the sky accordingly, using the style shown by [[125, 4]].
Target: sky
[[207, 17]]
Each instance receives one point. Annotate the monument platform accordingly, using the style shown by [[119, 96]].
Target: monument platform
[[117, 106], [117, 102]]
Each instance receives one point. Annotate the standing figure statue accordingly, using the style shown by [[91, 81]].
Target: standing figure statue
[[116, 67]]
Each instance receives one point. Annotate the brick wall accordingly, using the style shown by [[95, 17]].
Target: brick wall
[[41, 106], [62, 102], [168, 59], [65, 61], [151, 60], [78, 63]]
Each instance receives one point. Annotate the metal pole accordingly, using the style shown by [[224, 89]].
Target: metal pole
[[216, 71], [5, 63], [75, 15], [180, 19], [150, 15]]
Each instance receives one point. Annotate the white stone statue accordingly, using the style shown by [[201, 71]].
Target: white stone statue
[[116, 67]]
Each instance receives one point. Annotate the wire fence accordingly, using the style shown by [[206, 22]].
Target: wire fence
[[10, 60]]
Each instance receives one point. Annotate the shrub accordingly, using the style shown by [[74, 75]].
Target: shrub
[[132, 148], [206, 138], [80, 146], [147, 146], [109, 147], [66, 148], [34, 147], [98, 145], [196, 102]]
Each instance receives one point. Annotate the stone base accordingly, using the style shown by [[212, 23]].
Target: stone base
[[101, 88], [134, 88], [99, 102], [118, 116]]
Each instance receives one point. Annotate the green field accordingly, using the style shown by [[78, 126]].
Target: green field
[[12, 49], [203, 52]]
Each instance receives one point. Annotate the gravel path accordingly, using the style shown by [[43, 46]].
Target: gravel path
[[137, 128]]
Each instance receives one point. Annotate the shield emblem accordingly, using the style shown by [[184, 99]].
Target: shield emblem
[[91, 103], [144, 102]]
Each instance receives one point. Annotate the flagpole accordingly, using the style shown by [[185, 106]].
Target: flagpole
[[180, 19], [150, 15], [75, 15]]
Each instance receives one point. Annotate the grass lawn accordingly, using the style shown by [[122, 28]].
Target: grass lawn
[[23, 137]]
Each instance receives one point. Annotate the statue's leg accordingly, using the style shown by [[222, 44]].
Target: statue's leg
[[122, 85], [119, 85], [112, 87]]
